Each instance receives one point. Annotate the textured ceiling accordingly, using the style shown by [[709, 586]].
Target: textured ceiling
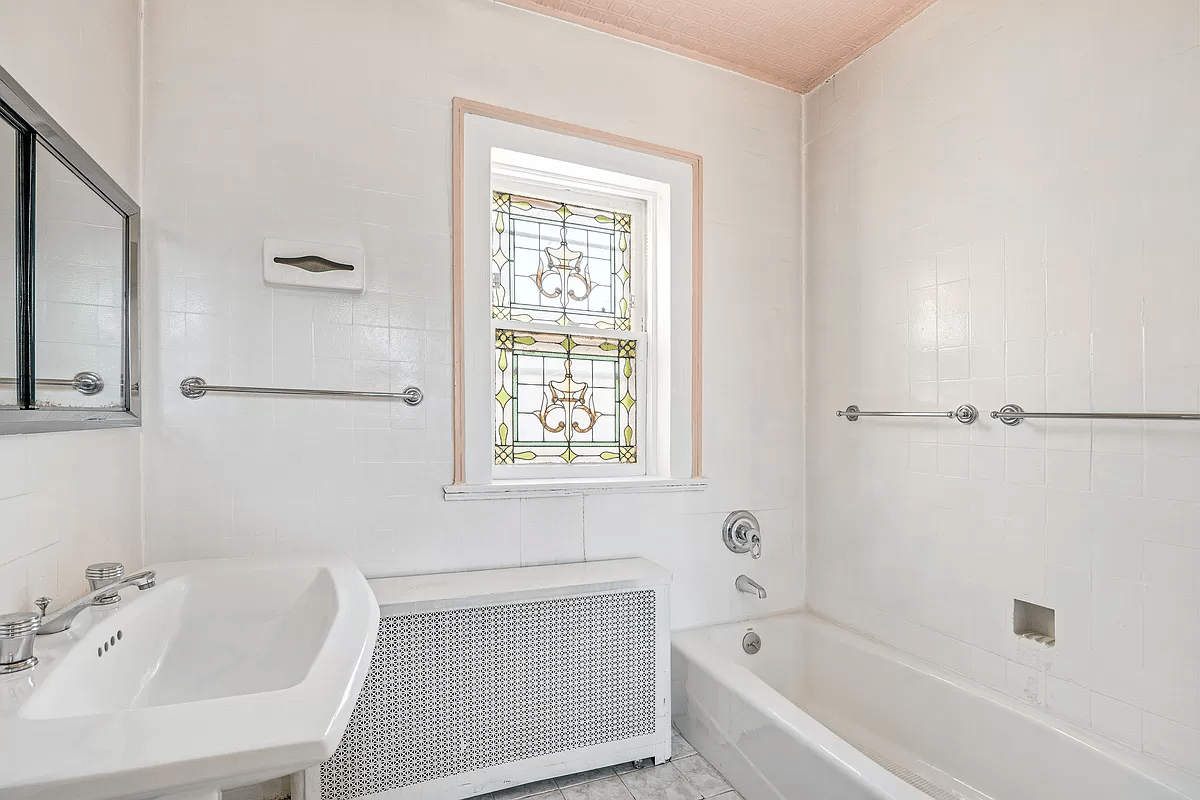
[[795, 44]]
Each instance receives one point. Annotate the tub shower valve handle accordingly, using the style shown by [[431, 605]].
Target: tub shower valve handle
[[742, 534]]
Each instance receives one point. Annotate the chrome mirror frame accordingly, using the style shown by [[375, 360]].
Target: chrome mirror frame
[[31, 117]]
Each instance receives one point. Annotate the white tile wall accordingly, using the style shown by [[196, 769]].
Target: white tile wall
[[68, 499], [1002, 206], [330, 122], [80, 60]]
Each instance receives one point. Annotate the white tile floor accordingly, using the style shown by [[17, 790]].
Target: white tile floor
[[687, 776]]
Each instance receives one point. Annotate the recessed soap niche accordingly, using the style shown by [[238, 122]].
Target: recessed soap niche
[[1031, 621]]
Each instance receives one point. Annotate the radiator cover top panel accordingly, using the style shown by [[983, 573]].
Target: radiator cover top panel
[[453, 691]]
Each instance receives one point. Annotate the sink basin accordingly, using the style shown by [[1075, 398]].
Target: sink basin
[[227, 672]]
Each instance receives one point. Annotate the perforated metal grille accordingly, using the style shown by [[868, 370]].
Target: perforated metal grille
[[449, 692]]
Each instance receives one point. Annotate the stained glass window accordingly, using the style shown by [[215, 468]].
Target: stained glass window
[[565, 398], [560, 263]]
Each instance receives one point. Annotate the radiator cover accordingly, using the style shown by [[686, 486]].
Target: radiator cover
[[461, 701]]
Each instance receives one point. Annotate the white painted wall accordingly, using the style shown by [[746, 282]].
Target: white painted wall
[[330, 122], [1003, 199], [69, 499]]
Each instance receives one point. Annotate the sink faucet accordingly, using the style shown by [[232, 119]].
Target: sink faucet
[[60, 620], [750, 586]]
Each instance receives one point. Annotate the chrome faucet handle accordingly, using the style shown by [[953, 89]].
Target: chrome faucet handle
[[741, 533], [43, 603], [17, 632], [101, 575]]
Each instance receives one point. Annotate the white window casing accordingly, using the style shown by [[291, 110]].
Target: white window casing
[[658, 191]]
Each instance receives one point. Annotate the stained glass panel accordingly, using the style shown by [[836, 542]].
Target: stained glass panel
[[559, 262], [564, 398]]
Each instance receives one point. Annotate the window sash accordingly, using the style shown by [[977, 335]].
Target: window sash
[[570, 285], [575, 193], [642, 394]]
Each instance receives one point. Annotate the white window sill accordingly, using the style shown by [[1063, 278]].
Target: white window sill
[[505, 490]]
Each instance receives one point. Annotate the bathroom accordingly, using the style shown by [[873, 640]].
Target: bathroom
[[904, 206]]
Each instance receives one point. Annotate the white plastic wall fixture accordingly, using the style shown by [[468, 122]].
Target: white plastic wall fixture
[[332, 279]]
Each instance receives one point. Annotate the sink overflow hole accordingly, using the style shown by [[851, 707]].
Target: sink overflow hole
[[112, 642]]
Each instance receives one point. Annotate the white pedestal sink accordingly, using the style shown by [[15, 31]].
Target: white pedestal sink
[[227, 672]]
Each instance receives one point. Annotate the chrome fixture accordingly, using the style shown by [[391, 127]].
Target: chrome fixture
[[60, 620], [750, 586], [752, 643], [741, 533], [1013, 414], [195, 388], [101, 575], [966, 414], [17, 632], [86, 383], [45, 148]]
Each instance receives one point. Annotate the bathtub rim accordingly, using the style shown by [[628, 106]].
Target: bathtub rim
[[839, 754], [697, 639]]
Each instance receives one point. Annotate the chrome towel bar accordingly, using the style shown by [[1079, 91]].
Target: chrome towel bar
[[966, 414], [1013, 414], [87, 383], [196, 388]]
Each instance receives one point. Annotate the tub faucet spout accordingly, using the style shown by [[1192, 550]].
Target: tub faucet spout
[[750, 586]]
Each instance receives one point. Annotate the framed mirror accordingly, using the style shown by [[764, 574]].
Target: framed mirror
[[69, 348], [8, 264]]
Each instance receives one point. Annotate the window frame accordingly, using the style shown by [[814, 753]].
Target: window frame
[[507, 177], [673, 461]]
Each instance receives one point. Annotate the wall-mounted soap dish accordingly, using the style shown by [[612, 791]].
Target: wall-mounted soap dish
[[1033, 622]]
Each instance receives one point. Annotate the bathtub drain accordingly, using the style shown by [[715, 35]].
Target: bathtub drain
[[751, 643]]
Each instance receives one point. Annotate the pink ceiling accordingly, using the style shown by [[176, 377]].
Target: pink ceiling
[[795, 44]]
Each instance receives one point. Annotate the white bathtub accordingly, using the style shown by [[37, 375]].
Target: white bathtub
[[767, 721]]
